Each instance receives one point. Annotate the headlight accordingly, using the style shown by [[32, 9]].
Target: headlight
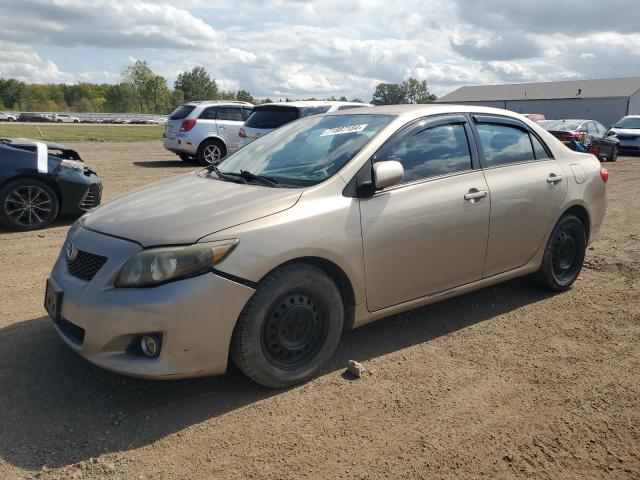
[[159, 265], [72, 164]]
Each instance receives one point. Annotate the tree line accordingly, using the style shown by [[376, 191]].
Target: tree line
[[141, 90]]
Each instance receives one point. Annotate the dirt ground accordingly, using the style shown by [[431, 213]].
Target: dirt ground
[[506, 382]]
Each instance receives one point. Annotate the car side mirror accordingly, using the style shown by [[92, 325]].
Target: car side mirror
[[387, 173]]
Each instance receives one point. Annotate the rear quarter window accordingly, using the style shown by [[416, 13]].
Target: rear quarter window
[[181, 112]]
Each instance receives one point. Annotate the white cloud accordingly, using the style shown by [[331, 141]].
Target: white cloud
[[301, 48], [22, 63]]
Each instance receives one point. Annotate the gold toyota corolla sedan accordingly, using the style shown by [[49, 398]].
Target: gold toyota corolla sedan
[[325, 224]]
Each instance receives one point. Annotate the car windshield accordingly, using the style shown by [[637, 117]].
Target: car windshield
[[628, 122], [308, 151], [560, 125]]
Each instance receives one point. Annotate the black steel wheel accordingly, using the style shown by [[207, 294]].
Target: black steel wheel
[[27, 204], [614, 155], [564, 254], [289, 328], [295, 329]]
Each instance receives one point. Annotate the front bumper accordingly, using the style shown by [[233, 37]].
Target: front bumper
[[195, 316], [80, 192]]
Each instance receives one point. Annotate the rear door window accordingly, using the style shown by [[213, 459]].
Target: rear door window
[[181, 112], [504, 144], [233, 114], [209, 113], [269, 118]]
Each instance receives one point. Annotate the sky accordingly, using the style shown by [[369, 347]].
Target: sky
[[320, 48]]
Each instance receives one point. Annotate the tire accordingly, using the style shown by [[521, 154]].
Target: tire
[[185, 158], [210, 151], [289, 328], [614, 155], [563, 255], [16, 195], [59, 121]]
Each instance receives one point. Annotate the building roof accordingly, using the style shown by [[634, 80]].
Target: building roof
[[603, 88]]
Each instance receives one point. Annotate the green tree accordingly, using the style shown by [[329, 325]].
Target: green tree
[[411, 90], [389, 94], [150, 91], [12, 93], [196, 85], [417, 91], [244, 96]]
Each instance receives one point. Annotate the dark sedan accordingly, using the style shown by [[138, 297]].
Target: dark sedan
[[39, 181], [585, 135]]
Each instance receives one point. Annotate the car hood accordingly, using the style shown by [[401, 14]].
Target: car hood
[[181, 210], [626, 131]]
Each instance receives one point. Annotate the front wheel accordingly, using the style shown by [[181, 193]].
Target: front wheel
[[564, 255], [27, 204], [185, 158], [289, 328], [614, 155]]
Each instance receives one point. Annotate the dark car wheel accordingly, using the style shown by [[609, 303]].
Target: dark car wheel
[[211, 151], [27, 204], [564, 254], [289, 328], [186, 158], [614, 154]]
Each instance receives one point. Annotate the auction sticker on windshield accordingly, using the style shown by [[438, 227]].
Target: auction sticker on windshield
[[345, 129]]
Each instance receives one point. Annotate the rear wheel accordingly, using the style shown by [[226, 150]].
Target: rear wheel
[[211, 151], [290, 327], [27, 204], [564, 254]]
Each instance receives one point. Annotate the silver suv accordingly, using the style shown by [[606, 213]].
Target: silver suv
[[207, 131]]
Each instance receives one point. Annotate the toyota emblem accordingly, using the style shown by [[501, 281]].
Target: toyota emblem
[[72, 251]]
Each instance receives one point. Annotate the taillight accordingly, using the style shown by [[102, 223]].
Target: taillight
[[242, 133], [188, 125], [604, 173]]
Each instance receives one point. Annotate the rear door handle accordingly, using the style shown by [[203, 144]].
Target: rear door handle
[[553, 178], [474, 195]]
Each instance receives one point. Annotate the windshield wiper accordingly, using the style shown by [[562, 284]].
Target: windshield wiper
[[226, 176], [268, 181]]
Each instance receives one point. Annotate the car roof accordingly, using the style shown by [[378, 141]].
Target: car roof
[[411, 111], [27, 142], [311, 103], [219, 102]]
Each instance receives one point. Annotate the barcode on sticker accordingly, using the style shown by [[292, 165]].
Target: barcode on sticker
[[345, 129]]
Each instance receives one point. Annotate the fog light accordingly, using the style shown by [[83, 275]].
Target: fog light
[[150, 345]]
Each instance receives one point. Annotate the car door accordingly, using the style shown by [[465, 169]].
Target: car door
[[527, 189], [206, 125], [429, 233], [229, 121]]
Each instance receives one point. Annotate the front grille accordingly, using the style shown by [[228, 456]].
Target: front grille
[[85, 265], [91, 199]]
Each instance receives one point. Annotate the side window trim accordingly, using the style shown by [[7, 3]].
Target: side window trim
[[512, 122]]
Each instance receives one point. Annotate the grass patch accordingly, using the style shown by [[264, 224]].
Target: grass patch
[[82, 132]]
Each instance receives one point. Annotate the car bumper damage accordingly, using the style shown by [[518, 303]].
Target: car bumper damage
[[192, 319]]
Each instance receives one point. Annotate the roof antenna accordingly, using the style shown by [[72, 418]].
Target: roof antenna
[[579, 92]]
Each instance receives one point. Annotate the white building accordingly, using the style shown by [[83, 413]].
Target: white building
[[605, 100]]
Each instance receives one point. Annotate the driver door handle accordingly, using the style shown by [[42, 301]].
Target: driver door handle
[[475, 195], [553, 178]]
